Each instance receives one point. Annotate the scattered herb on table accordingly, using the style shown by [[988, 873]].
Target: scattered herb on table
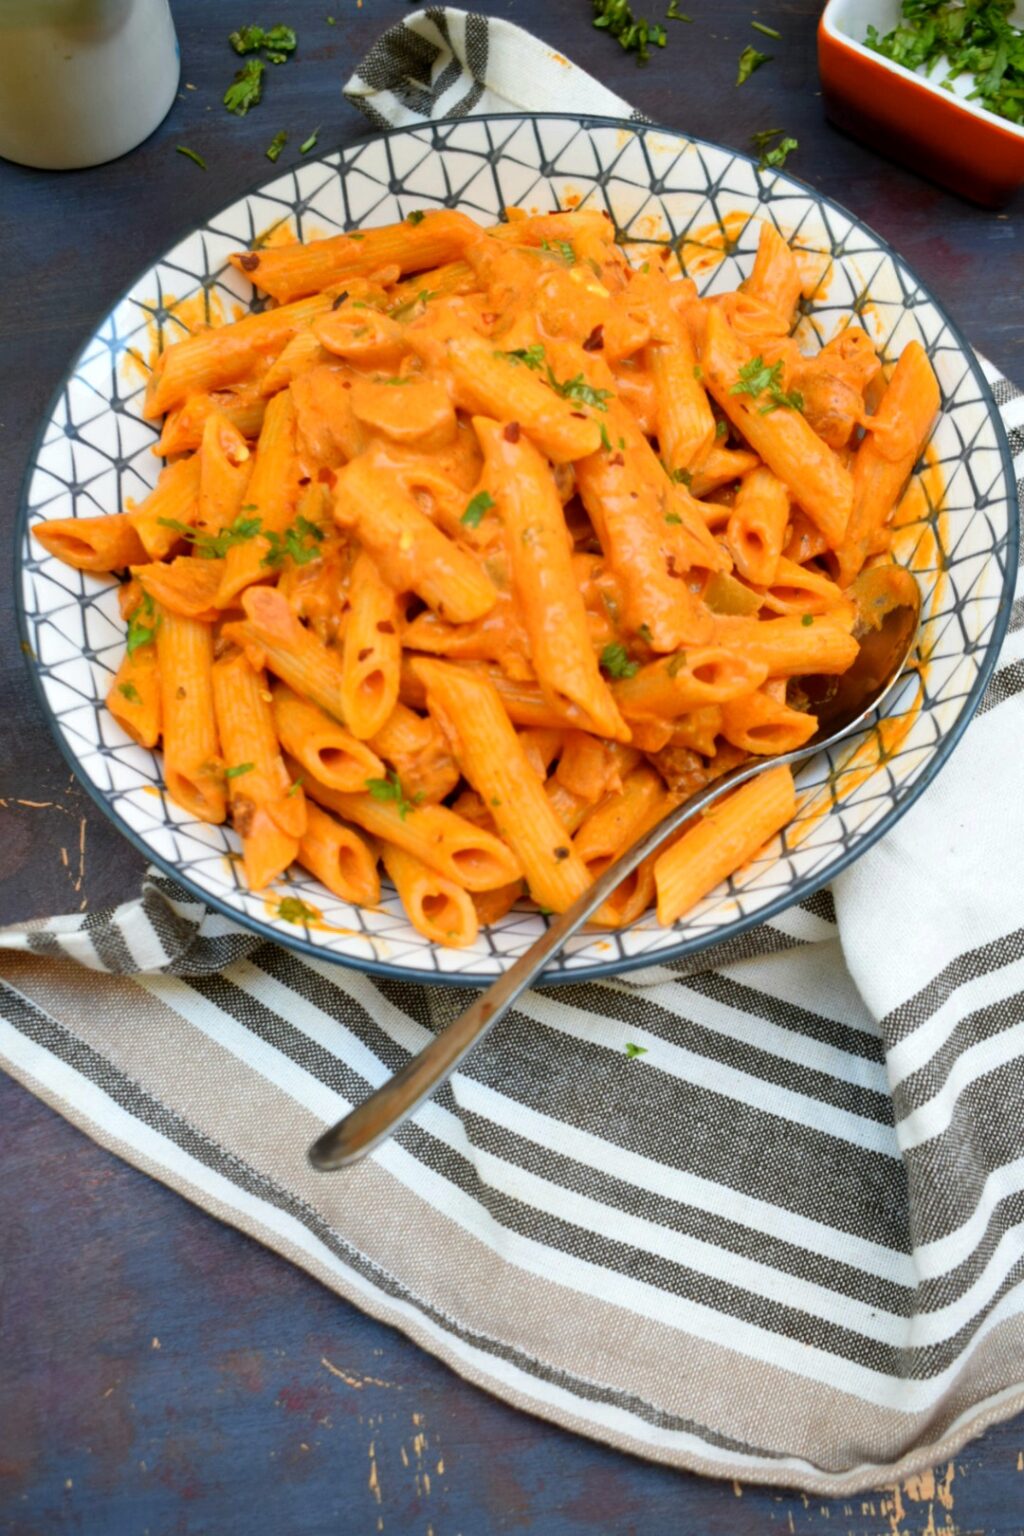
[[772, 155], [675, 14], [276, 145], [750, 60], [309, 143], [278, 42], [183, 149], [759, 26], [246, 90], [390, 790], [633, 1051], [615, 661], [633, 34], [756, 379], [482, 502], [975, 38]]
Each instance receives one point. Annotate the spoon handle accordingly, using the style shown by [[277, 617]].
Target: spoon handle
[[371, 1122]]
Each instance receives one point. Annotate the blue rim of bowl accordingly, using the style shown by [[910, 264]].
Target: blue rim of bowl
[[606, 968]]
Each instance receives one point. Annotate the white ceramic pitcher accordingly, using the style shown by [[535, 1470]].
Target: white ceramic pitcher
[[83, 81]]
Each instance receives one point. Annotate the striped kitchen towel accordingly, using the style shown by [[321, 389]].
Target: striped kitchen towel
[[785, 1243]]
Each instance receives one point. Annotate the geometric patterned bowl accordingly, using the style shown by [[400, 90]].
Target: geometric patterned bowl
[[94, 451]]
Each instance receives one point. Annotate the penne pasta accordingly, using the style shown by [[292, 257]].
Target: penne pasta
[[371, 656], [193, 767], [438, 908], [339, 857]]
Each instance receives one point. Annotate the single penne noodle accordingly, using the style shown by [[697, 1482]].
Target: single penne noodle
[[186, 585], [471, 713], [411, 554], [134, 696], [722, 841], [801, 589], [813, 475], [339, 858], [553, 609], [371, 651], [690, 679], [721, 466], [271, 498], [254, 767], [757, 526], [193, 768], [225, 469], [437, 907], [465, 854], [288, 272], [789, 646], [614, 823], [685, 423], [92, 543], [764, 725], [173, 500], [320, 745], [291, 651], [775, 279]]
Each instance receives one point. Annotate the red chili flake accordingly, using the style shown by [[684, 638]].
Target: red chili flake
[[303, 479], [325, 476], [511, 433], [616, 459], [346, 383], [580, 415], [385, 627], [561, 853], [367, 650], [595, 341], [249, 262]]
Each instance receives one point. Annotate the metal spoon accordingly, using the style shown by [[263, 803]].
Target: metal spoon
[[889, 605]]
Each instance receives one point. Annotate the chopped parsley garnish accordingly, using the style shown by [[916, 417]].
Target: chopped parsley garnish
[[390, 789], [633, 35], [676, 664], [237, 771], [698, 372], [129, 692], [400, 311], [276, 145], [530, 357], [278, 41], [721, 428], [756, 379], [292, 910], [482, 502], [976, 37], [750, 60], [294, 543], [294, 788], [759, 26], [141, 632], [309, 143], [606, 442], [560, 248], [673, 517], [579, 389], [190, 154], [635, 1050], [416, 217], [246, 90], [214, 546], [645, 634], [769, 157], [807, 620], [615, 661]]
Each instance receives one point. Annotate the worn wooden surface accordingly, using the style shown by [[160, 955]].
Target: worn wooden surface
[[159, 1372]]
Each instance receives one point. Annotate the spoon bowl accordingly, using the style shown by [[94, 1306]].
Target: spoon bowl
[[888, 602]]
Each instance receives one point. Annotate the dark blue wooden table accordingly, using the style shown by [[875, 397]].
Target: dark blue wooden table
[[159, 1373]]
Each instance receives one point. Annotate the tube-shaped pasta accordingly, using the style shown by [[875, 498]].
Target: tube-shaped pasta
[[789, 646], [225, 468], [720, 466], [487, 384], [174, 499], [292, 652], [134, 696], [764, 725], [411, 554], [298, 356], [463, 853], [271, 497], [92, 543], [193, 769], [212, 359], [800, 589], [316, 741], [615, 822], [896, 436], [686, 425], [492, 759], [690, 679], [788, 445], [288, 272], [371, 652], [185, 585], [723, 840], [757, 526], [339, 858], [438, 908], [542, 576], [416, 748], [183, 426], [775, 279]]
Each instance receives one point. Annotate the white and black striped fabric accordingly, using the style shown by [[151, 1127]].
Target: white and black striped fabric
[[785, 1244]]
